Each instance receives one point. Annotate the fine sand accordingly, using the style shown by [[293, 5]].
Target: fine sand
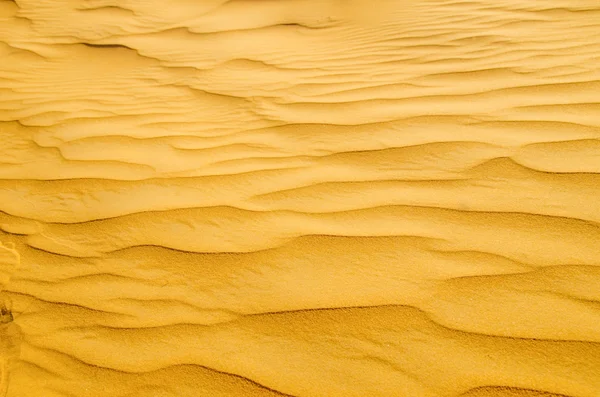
[[311, 198]]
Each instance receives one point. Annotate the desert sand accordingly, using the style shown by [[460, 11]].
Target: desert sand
[[306, 198]]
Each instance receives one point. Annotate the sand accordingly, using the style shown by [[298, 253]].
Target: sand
[[300, 198]]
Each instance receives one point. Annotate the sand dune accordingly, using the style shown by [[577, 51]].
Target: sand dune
[[300, 198]]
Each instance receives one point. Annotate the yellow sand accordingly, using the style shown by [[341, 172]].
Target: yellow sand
[[300, 198]]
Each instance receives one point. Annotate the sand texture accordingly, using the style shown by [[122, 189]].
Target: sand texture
[[310, 198]]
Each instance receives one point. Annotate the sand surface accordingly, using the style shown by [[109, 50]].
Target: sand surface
[[300, 198]]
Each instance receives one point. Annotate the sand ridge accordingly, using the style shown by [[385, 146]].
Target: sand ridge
[[300, 198]]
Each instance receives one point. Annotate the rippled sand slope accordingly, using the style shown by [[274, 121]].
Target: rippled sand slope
[[300, 198]]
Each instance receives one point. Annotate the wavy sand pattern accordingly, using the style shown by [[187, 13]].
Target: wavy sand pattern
[[300, 198]]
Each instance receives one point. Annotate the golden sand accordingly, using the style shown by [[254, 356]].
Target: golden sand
[[311, 198]]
